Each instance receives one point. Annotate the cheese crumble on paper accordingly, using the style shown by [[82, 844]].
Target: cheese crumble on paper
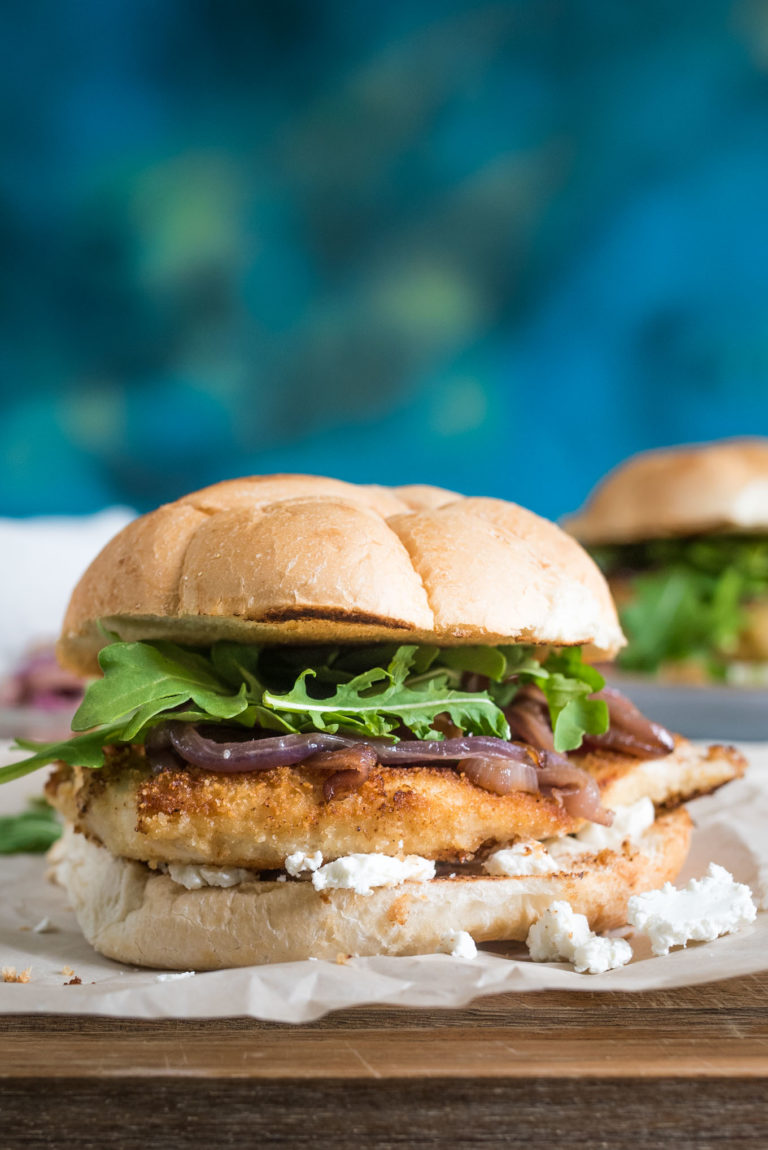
[[702, 911], [560, 934]]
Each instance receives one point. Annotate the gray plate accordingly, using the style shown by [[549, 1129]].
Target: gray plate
[[734, 713]]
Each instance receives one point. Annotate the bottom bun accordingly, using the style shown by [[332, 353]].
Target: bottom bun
[[135, 915]]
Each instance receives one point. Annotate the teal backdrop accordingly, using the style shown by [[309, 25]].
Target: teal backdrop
[[494, 246]]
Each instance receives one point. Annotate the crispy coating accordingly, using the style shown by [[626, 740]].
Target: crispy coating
[[684, 775], [255, 820]]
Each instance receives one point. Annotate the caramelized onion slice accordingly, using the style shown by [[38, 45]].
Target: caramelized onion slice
[[528, 718], [342, 783], [437, 750], [215, 750], [348, 768], [500, 776], [630, 731], [578, 789], [198, 746], [160, 751]]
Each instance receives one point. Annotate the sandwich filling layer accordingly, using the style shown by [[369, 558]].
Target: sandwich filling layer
[[256, 820]]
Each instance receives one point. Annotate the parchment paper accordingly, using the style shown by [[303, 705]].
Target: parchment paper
[[732, 829]]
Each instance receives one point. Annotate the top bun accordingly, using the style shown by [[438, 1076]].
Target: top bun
[[679, 491], [301, 559]]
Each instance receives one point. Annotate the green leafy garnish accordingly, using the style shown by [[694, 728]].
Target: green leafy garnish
[[80, 751], [144, 679], [567, 682], [681, 614], [377, 691], [379, 701], [688, 598], [35, 829]]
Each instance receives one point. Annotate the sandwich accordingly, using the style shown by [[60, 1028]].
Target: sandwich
[[682, 537], [330, 719]]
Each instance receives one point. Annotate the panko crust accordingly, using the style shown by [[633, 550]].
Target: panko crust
[[304, 559], [255, 820], [678, 778]]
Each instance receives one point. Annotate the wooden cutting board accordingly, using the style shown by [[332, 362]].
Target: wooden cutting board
[[669, 1068]]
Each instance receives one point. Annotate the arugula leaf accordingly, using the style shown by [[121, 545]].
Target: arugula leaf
[[81, 751], [138, 673], [379, 700], [579, 717], [234, 663], [35, 829], [488, 661], [568, 664], [567, 682]]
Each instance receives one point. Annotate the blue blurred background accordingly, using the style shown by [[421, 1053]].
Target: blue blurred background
[[492, 246]]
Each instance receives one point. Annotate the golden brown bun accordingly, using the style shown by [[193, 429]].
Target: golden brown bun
[[129, 913], [680, 491], [256, 820], [301, 559]]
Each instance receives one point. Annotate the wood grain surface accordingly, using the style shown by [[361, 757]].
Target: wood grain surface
[[684, 1068]]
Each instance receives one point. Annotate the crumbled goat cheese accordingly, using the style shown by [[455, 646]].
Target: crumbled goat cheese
[[565, 851], [700, 912], [561, 934], [599, 954], [194, 877], [524, 858], [556, 932], [299, 861], [459, 944], [362, 872], [628, 823]]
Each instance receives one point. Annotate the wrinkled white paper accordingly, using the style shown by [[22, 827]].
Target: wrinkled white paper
[[732, 829]]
